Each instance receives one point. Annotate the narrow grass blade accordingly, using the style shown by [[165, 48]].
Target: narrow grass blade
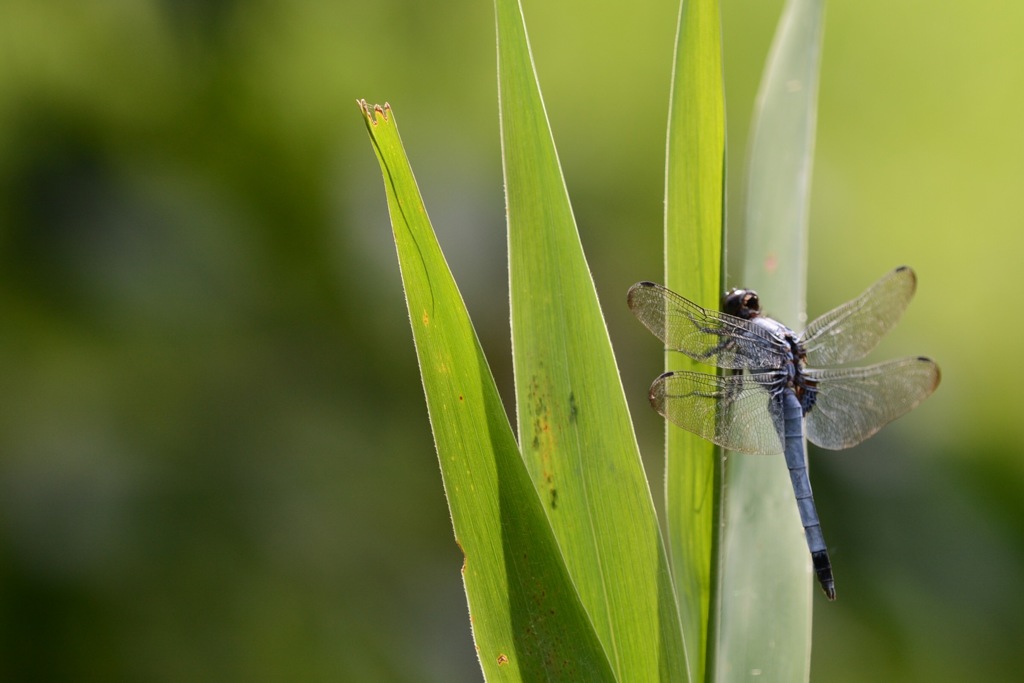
[[693, 257], [767, 579], [574, 426], [528, 621]]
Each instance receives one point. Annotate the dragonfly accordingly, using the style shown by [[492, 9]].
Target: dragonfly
[[775, 394]]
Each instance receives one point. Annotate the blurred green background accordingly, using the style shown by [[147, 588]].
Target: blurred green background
[[215, 460]]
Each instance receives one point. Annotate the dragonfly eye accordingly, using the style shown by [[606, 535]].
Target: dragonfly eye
[[742, 303], [732, 301]]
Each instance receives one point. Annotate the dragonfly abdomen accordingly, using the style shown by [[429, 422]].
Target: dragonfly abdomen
[[796, 461]]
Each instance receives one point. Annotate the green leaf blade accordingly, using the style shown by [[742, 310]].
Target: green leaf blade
[[528, 622], [574, 426], [767, 578], [694, 222]]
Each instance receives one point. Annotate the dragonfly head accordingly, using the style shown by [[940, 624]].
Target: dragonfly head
[[742, 303]]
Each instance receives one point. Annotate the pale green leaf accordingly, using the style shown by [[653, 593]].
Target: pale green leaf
[[767, 577]]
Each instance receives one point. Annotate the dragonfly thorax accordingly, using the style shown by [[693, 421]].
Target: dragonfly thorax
[[790, 375]]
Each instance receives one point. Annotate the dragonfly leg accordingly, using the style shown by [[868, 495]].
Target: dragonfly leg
[[725, 343]]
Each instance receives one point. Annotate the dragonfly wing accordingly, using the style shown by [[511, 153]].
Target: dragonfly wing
[[850, 331], [854, 403], [734, 411], [706, 336]]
